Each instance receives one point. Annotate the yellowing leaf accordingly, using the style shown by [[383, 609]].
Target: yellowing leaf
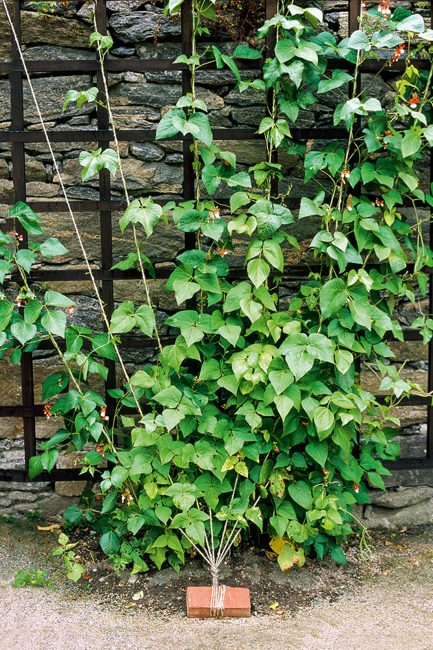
[[277, 544]]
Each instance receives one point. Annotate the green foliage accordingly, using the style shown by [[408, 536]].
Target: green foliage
[[74, 570], [250, 420], [32, 578]]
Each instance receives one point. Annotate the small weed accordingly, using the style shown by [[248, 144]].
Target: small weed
[[32, 578], [74, 570]]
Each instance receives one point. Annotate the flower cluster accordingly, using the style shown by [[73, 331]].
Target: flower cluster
[[398, 53], [126, 496], [100, 447], [345, 175], [17, 235], [48, 410], [414, 101], [103, 414], [384, 8], [214, 215]]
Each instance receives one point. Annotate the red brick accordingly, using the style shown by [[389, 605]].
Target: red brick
[[237, 602]]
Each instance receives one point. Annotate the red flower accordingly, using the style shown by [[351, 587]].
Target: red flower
[[48, 408], [214, 215], [384, 8], [345, 174], [103, 414], [414, 101], [398, 53]]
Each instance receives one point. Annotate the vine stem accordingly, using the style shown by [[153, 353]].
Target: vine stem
[[122, 176], [69, 207]]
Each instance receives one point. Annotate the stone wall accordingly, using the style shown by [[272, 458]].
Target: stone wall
[[139, 99]]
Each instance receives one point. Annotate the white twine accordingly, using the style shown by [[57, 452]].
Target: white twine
[[217, 595]]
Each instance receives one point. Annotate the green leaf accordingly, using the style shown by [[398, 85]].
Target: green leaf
[[258, 271], [23, 331], [376, 480], [54, 322], [52, 248], [238, 199], [123, 318], [428, 134], [410, 144], [80, 97], [27, 218], [332, 297], [109, 502], [212, 488], [339, 78], [318, 451], [169, 397], [35, 467], [323, 419], [284, 405], [94, 161], [119, 476], [413, 23], [230, 332], [301, 494], [285, 50], [144, 212], [298, 358], [358, 41], [32, 311], [308, 208], [73, 515], [110, 543], [169, 124], [25, 259], [338, 555], [273, 253], [201, 121], [6, 310], [103, 347], [361, 313], [280, 380], [55, 299], [145, 320], [244, 51], [184, 495]]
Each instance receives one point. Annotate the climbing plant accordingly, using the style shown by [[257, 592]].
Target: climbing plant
[[255, 420]]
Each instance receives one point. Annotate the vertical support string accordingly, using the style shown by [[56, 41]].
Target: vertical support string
[[105, 216], [271, 8], [19, 181], [188, 156], [354, 15]]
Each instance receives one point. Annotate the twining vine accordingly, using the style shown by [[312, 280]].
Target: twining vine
[[250, 423]]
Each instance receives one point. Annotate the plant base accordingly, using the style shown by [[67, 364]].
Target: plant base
[[237, 602]]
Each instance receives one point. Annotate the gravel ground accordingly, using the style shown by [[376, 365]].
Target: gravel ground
[[390, 608]]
